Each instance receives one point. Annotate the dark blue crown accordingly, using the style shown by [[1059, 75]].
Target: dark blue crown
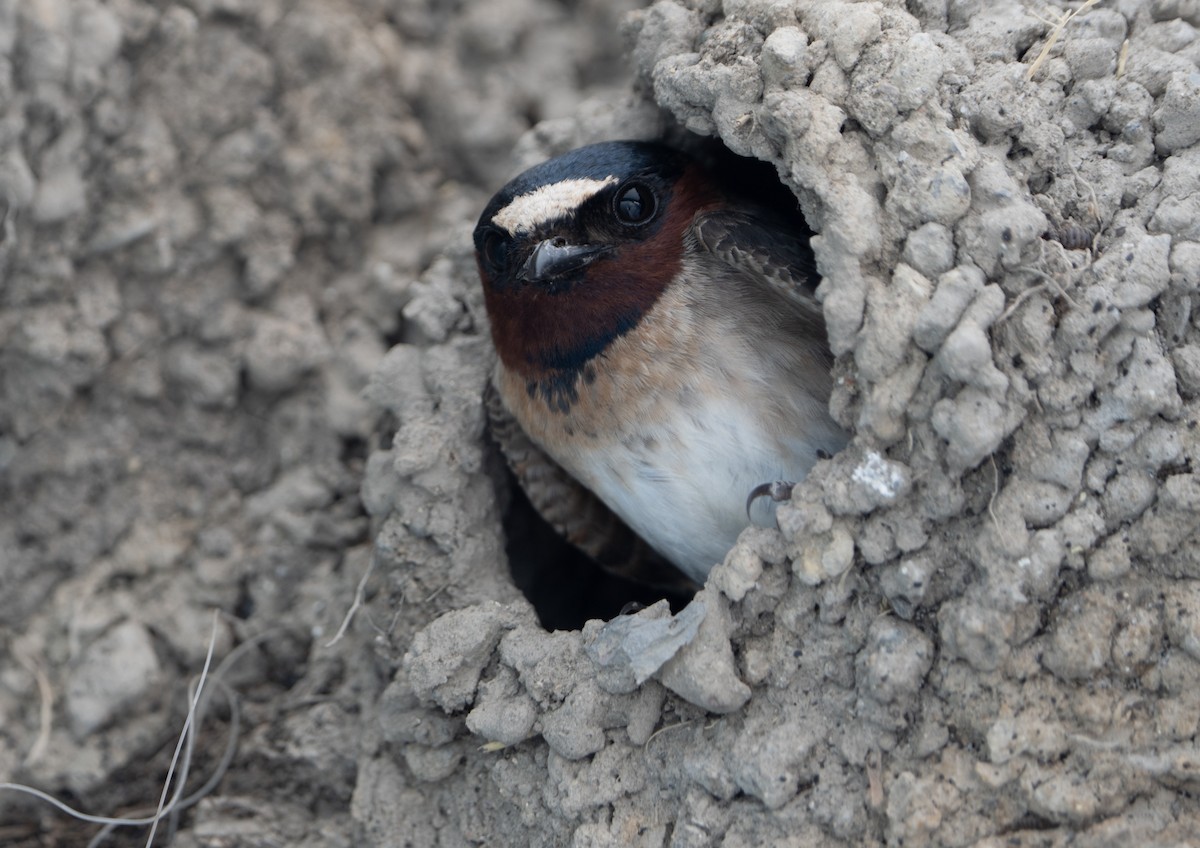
[[620, 159]]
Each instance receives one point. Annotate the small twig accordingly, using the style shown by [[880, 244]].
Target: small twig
[[187, 736], [1019, 300], [46, 707], [995, 490], [391, 624], [198, 698], [1079, 180], [182, 747], [1055, 33], [1052, 283], [359, 595], [177, 806]]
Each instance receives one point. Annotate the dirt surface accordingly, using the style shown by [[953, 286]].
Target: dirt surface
[[242, 349]]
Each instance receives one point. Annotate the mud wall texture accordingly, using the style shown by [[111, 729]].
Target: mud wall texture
[[238, 283]]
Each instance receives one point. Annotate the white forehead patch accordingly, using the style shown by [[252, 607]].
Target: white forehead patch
[[525, 213]]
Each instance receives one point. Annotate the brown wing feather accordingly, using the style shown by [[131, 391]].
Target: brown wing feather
[[767, 248], [573, 511]]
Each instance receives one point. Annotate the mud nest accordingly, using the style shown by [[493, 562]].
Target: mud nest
[[239, 283]]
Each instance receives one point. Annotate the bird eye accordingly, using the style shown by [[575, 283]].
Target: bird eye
[[634, 204], [495, 252]]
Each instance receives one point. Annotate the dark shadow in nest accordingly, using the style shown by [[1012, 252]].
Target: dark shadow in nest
[[564, 585]]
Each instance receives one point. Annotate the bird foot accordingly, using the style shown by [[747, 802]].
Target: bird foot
[[778, 491]]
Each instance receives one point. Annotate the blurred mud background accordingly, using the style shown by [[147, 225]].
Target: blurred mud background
[[241, 355]]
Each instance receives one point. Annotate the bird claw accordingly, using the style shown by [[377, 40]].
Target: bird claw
[[778, 491]]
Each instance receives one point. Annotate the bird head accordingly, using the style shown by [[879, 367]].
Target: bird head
[[574, 251]]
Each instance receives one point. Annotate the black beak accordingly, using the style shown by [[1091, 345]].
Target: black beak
[[556, 258]]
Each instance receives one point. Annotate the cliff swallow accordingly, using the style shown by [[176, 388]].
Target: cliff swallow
[[658, 342]]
